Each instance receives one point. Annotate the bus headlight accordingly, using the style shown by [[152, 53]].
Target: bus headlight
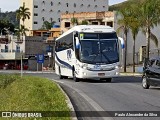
[[116, 67], [84, 66]]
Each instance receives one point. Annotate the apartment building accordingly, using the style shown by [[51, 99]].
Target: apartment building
[[51, 10]]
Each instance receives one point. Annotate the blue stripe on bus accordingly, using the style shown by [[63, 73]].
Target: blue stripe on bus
[[63, 63]]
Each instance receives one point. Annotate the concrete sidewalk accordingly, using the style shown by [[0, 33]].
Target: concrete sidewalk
[[129, 71]]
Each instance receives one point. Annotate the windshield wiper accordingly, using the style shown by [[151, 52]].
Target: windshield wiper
[[106, 57]]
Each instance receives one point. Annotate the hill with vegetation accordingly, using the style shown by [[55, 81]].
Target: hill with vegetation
[[10, 16], [116, 7]]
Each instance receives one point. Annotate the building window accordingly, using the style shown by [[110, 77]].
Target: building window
[[35, 22], [51, 19], [43, 10], [67, 12], [81, 5], [89, 5], [59, 3], [6, 48], [67, 24], [110, 24], [35, 14], [74, 4], [43, 2], [96, 6], [102, 23], [18, 48], [59, 11], [59, 20], [51, 10], [43, 18], [67, 4], [104, 6], [94, 23], [35, 6], [51, 3]]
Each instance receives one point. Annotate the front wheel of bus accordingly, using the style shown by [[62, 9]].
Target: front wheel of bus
[[60, 76], [74, 76]]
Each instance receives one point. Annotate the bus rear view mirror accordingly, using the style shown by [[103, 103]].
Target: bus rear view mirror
[[77, 43], [75, 34], [122, 42]]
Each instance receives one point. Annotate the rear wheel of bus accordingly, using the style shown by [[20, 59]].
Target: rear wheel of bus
[[61, 76]]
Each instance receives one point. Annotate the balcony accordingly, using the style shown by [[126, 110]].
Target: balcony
[[10, 55], [17, 39]]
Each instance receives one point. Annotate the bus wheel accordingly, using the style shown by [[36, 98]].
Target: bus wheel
[[60, 76], [108, 80], [74, 76]]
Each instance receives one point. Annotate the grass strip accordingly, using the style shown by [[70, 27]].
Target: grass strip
[[31, 94]]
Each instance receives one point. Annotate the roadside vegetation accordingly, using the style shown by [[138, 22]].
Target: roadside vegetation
[[31, 94]]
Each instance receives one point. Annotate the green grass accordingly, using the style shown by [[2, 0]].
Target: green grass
[[31, 94]]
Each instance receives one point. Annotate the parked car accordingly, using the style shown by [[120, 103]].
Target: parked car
[[151, 73]]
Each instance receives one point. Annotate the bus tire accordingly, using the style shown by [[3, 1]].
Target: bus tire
[[74, 76], [60, 76]]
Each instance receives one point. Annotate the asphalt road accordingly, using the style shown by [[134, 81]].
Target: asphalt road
[[123, 94]]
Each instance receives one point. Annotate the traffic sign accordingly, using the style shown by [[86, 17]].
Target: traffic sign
[[40, 58]]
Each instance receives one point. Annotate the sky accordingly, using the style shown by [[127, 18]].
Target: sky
[[12, 5]]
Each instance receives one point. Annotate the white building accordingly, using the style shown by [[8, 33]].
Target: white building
[[50, 10]]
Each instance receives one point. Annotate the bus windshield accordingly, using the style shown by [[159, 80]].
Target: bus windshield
[[99, 50]]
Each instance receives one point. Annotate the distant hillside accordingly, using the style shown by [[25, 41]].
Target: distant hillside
[[10, 16], [117, 6]]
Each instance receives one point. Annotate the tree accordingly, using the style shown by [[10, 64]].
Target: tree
[[47, 25], [21, 31], [84, 22], [74, 21], [134, 26], [5, 24], [23, 13], [123, 21], [149, 18]]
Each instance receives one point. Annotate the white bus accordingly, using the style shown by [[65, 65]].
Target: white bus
[[88, 51]]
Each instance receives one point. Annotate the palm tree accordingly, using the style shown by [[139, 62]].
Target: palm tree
[[123, 21], [47, 25], [21, 31], [74, 21], [134, 25], [84, 22], [23, 13], [149, 18]]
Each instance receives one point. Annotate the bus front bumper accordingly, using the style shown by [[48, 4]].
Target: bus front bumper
[[97, 74]]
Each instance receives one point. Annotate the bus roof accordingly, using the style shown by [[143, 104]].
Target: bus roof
[[89, 29]]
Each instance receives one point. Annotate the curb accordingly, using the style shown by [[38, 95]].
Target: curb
[[73, 113], [26, 71], [131, 74]]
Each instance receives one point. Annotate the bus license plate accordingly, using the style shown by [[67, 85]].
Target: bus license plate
[[101, 74]]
